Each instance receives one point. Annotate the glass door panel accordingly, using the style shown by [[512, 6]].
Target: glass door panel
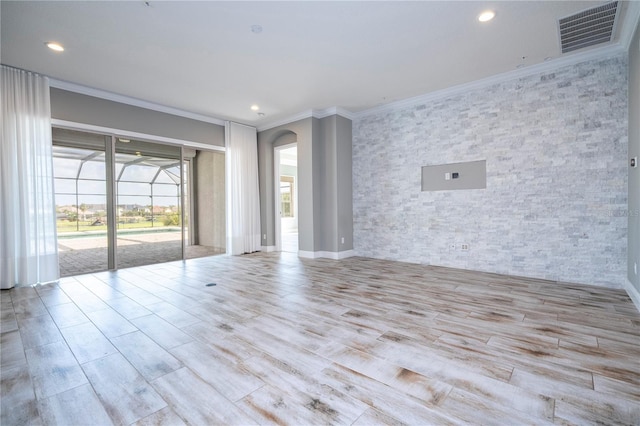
[[81, 201], [148, 203]]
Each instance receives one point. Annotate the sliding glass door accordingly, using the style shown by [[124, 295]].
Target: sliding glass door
[[123, 202], [80, 172], [119, 202], [149, 206]]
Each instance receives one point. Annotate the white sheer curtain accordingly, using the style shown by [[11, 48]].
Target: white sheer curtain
[[28, 246], [243, 197]]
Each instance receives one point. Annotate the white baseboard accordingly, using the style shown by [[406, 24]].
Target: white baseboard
[[337, 255], [268, 249], [633, 293], [326, 254]]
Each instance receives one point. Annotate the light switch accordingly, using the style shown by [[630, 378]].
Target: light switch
[[447, 176]]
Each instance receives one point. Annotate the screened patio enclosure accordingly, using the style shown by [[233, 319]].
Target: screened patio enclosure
[[148, 183], [123, 203]]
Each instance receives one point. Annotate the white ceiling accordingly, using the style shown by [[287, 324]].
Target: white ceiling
[[202, 57]]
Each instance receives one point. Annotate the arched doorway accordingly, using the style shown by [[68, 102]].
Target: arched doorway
[[286, 197]]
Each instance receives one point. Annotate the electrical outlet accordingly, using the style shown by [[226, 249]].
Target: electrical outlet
[[264, 237], [464, 247], [342, 240]]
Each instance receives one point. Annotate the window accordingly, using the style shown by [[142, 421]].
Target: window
[[286, 196]]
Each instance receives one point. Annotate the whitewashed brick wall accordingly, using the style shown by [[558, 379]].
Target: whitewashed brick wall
[[554, 208]]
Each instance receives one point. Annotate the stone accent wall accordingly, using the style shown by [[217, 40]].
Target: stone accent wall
[[556, 197]]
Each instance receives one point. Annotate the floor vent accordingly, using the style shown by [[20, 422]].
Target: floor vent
[[587, 28]]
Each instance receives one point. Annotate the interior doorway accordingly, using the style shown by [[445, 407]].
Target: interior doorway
[[286, 174]]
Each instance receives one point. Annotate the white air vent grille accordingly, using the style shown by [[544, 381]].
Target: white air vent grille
[[588, 28]]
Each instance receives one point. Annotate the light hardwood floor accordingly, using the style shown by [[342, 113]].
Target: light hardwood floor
[[290, 341]]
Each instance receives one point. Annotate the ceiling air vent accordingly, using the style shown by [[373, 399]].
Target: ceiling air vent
[[587, 28]]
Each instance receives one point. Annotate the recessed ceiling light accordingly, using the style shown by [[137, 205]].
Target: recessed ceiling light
[[254, 107], [486, 16], [256, 29], [54, 46]]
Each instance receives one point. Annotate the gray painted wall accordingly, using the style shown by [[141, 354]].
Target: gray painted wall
[[335, 177], [556, 150], [318, 184], [85, 109], [634, 150], [210, 170], [300, 132], [327, 174], [344, 190], [324, 182]]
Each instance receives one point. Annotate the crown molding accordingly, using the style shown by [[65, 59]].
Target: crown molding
[[345, 113], [103, 94], [296, 117], [228, 122], [631, 21], [630, 24], [572, 59], [315, 113], [322, 113], [603, 52]]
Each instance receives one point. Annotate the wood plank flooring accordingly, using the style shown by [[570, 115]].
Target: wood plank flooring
[[283, 340]]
